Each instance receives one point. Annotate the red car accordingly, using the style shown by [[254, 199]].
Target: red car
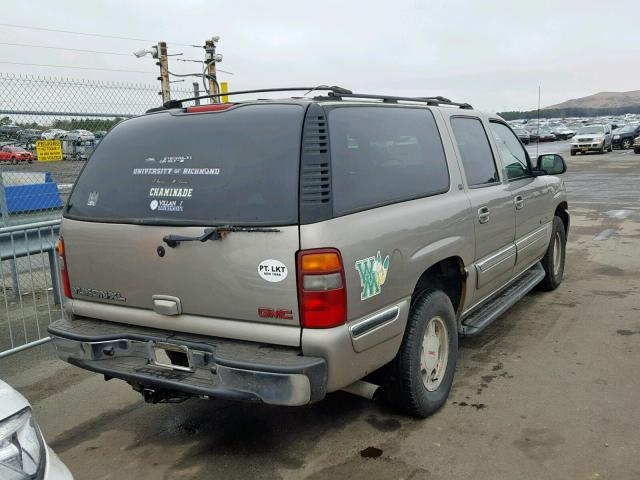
[[15, 155]]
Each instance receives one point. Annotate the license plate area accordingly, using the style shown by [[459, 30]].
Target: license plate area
[[170, 356]]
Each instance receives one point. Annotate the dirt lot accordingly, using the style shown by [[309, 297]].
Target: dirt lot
[[549, 391]]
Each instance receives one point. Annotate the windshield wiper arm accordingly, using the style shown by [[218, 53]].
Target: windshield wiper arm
[[214, 233]]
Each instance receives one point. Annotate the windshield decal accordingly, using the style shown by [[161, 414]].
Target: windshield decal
[[166, 205], [171, 192], [93, 199]]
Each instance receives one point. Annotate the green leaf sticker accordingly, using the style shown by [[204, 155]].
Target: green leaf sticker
[[373, 274]]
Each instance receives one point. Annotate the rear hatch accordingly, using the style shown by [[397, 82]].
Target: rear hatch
[[179, 174]]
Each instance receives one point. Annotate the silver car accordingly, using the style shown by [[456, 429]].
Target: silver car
[[278, 250], [592, 138], [23, 451]]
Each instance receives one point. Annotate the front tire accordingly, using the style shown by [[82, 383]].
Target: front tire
[[553, 260], [422, 372], [626, 144]]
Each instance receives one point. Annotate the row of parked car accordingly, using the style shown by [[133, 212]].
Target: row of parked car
[[30, 135], [597, 136]]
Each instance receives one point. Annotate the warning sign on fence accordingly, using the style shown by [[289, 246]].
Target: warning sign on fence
[[49, 150]]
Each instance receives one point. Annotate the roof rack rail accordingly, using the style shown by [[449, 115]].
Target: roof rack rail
[[432, 101], [178, 103]]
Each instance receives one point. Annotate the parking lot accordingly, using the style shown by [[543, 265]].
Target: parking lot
[[548, 391]]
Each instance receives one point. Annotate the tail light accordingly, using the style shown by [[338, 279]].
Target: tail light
[[214, 107], [64, 272], [322, 293]]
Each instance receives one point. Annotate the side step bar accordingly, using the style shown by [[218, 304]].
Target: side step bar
[[484, 315]]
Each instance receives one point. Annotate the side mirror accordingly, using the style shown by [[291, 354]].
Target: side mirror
[[551, 164]]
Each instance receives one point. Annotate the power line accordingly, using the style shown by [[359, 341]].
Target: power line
[[77, 68], [92, 34], [68, 49]]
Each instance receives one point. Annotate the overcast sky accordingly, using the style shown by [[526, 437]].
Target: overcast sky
[[492, 54]]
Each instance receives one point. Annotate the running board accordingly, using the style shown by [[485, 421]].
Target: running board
[[483, 316]]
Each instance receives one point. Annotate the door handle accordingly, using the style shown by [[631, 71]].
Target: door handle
[[483, 214], [519, 201]]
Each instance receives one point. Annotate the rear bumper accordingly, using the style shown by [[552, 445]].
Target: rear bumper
[[217, 367]]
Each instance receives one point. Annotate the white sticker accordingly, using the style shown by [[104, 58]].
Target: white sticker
[[93, 199], [272, 270]]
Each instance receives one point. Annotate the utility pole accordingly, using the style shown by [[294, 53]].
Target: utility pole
[[211, 58], [163, 63]]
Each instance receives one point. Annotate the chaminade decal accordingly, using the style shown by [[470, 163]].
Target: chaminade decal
[[373, 273]]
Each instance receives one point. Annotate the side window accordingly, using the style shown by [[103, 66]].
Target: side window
[[473, 144], [514, 157], [384, 155]]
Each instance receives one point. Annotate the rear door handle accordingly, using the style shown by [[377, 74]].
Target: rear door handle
[[519, 201], [483, 214]]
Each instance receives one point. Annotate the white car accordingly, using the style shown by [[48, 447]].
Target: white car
[[592, 138], [78, 135], [52, 134], [24, 455]]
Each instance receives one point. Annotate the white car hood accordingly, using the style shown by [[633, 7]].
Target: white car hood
[[10, 401]]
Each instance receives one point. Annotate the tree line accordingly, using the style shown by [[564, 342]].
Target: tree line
[[90, 124], [569, 112]]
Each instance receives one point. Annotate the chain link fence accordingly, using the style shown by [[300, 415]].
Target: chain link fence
[[77, 114]]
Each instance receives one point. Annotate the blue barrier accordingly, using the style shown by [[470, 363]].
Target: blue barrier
[[28, 197]]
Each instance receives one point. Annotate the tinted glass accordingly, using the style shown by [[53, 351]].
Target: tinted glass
[[238, 166], [475, 151], [598, 129], [514, 157], [384, 155]]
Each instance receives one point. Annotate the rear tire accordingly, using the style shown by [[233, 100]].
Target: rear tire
[[553, 260], [626, 144], [422, 372]]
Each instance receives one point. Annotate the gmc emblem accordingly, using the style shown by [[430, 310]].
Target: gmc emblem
[[271, 313]]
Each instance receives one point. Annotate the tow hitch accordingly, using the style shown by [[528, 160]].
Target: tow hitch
[[154, 395]]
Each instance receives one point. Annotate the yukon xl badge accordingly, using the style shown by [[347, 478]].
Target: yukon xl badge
[[101, 294]]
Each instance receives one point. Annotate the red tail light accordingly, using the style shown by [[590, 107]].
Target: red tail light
[[322, 293], [214, 107], [64, 273]]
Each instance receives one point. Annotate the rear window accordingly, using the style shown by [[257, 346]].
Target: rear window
[[239, 166], [384, 155]]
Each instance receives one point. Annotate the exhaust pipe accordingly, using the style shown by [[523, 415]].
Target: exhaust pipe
[[363, 389]]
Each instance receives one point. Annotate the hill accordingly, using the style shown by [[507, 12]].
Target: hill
[[602, 100]]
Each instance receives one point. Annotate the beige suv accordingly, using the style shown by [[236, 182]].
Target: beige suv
[[278, 250]]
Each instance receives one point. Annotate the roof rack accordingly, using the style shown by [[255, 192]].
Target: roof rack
[[178, 103], [432, 101], [334, 92]]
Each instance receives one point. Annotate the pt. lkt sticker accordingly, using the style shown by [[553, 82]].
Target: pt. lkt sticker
[[373, 273]]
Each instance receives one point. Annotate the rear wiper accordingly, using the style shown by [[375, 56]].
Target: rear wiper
[[215, 233]]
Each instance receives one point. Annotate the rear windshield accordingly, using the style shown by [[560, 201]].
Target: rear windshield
[[238, 166]]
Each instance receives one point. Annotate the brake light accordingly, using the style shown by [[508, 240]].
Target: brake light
[[64, 272], [215, 107], [322, 293]]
